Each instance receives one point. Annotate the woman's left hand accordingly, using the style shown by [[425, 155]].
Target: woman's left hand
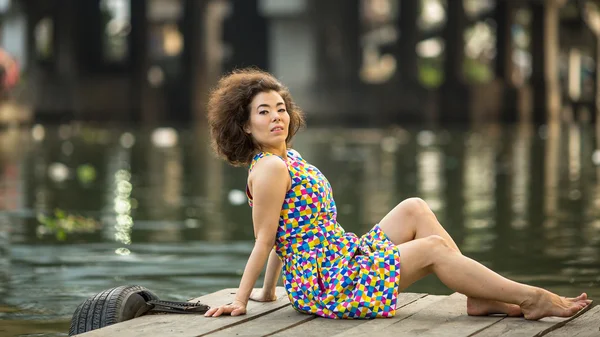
[[236, 308]]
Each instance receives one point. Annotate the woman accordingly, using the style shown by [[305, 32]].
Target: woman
[[327, 271]]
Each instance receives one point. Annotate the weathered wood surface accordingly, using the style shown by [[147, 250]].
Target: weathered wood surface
[[417, 315]]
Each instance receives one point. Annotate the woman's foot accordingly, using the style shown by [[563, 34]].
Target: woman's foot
[[544, 303], [481, 307]]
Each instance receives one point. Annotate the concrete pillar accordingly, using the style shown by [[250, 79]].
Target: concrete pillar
[[34, 12], [503, 15], [504, 67], [544, 54], [338, 92], [212, 21], [139, 58], [194, 60], [89, 33], [246, 32], [52, 79], [351, 29], [596, 99], [454, 42], [454, 93], [403, 98], [405, 51], [182, 91], [339, 54], [66, 61]]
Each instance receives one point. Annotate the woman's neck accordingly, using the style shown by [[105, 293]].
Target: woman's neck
[[281, 152]]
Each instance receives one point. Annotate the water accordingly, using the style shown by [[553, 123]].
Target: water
[[164, 213]]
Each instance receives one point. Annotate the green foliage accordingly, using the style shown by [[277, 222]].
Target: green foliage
[[86, 173], [431, 73], [477, 71], [62, 224]]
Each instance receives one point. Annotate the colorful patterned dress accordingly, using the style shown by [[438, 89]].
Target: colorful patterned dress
[[327, 271]]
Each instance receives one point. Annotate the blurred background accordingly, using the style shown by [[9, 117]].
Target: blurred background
[[486, 109]]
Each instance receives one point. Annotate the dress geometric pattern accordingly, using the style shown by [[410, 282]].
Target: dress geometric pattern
[[326, 271]]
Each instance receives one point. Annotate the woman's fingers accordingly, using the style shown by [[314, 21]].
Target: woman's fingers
[[225, 309], [210, 312], [214, 312]]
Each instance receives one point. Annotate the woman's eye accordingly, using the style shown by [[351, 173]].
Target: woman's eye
[[282, 110], [263, 112]]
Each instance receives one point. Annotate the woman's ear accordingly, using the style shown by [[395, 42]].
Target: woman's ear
[[247, 129]]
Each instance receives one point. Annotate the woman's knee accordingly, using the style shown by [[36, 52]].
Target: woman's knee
[[400, 224], [413, 207]]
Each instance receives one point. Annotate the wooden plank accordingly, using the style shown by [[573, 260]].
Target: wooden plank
[[376, 326], [326, 327], [405, 299], [287, 318], [319, 327], [520, 327], [281, 319], [191, 325], [463, 326], [429, 320], [585, 325]]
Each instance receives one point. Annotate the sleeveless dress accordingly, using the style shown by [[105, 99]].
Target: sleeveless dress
[[326, 271]]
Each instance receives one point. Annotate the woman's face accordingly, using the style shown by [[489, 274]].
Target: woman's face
[[269, 121]]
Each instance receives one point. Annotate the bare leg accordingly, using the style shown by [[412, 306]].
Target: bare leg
[[413, 219], [464, 275]]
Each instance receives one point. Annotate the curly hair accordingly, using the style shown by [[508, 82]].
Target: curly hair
[[229, 111]]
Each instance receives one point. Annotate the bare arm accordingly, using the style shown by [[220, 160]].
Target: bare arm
[[272, 274], [270, 182], [267, 293]]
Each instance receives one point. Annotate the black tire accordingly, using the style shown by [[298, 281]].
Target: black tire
[[109, 307]]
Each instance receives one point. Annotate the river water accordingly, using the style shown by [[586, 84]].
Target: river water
[[85, 208]]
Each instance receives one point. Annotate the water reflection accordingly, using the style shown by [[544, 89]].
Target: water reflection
[[430, 163], [521, 152], [478, 190], [523, 200]]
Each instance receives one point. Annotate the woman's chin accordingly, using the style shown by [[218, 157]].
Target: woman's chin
[[278, 139]]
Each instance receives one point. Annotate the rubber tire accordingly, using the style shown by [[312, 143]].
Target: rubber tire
[[109, 307]]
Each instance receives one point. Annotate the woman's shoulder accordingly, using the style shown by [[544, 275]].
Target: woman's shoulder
[[266, 171], [266, 161]]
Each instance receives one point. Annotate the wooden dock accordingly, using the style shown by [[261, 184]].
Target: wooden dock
[[417, 315]]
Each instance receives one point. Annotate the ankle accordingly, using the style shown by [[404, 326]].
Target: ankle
[[532, 296]]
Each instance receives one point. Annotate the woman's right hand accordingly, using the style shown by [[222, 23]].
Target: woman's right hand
[[236, 308], [263, 296]]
